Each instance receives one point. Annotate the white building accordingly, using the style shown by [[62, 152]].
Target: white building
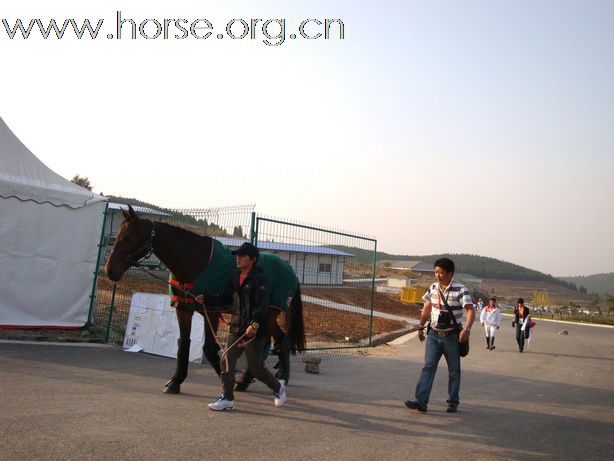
[[313, 265]]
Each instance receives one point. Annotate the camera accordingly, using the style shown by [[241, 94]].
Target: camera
[[444, 319]]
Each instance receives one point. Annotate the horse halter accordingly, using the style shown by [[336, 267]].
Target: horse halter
[[147, 248]]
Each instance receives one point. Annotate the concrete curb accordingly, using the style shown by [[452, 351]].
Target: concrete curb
[[384, 338]]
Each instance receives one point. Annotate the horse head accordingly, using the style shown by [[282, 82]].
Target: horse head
[[133, 243]]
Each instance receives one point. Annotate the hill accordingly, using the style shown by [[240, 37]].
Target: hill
[[480, 266], [596, 283]]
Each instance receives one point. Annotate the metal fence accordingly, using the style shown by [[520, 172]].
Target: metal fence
[[336, 270]]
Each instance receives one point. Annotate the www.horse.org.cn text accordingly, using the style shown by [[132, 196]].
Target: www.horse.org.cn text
[[271, 32]]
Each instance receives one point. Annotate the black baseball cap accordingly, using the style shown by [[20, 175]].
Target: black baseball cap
[[247, 249]]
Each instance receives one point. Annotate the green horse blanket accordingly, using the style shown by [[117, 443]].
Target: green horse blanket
[[214, 279]]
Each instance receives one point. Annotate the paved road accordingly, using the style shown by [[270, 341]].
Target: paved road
[[554, 402]]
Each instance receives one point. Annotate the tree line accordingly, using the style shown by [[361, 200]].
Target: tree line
[[479, 266]]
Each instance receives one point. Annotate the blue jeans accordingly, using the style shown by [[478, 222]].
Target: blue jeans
[[436, 346]]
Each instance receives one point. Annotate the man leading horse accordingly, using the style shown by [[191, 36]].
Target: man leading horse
[[248, 292]]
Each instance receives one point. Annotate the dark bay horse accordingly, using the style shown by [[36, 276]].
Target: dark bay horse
[[200, 263]]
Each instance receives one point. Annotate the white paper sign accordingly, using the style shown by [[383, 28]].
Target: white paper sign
[[152, 326]]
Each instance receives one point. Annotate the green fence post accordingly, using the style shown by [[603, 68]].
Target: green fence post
[[93, 294], [255, 237], [111, 313], [372, 291], [252, 228]]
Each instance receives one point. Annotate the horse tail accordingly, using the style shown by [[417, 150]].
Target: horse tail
[[296, 325]]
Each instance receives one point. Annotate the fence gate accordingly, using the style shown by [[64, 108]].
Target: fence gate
[[337, 275]]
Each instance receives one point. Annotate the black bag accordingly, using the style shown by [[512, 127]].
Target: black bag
[[463, 348]]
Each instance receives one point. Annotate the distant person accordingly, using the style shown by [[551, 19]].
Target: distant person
[[443, 299], [521, 321], [490, 318], [480, 305]]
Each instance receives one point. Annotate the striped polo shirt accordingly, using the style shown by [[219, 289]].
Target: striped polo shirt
[[457, 296]]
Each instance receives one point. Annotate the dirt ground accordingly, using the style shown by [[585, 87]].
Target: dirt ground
[[49, 334], [361, 297]]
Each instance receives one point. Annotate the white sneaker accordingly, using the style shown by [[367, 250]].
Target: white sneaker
[[222, 404], [280, 396]]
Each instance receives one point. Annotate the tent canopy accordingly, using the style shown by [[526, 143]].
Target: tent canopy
[[25, 177]]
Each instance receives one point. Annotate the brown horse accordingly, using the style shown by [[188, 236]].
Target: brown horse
[[188, 255]]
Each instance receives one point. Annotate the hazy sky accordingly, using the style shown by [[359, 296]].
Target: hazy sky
[[482, 127]]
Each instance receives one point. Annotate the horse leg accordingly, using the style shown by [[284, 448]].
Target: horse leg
[[184, 318], [282, 345], [211, 348]]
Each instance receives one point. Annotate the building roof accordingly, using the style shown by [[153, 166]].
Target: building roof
[[289, 247], [397, 264], [423, 267], [467, 278]]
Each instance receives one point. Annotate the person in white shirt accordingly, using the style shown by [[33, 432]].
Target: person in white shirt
[[490, 318]]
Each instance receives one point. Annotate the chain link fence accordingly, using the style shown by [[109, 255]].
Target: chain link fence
[[336, 271]]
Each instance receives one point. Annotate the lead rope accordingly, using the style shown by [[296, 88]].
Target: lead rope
[[225, 350]]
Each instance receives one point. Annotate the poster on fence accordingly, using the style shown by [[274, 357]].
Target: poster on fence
[[152, 327]]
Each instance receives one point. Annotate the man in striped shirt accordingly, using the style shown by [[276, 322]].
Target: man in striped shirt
[[443, 337]]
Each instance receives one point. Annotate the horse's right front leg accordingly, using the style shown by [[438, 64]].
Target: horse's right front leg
[[184, 318]]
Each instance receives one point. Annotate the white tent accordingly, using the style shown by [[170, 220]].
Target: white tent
[[49, 234]]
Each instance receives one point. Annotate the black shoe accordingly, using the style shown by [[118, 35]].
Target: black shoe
[[451, 409], [492, 348], [413, 405]]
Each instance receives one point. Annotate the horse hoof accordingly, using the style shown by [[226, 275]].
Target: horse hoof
[[172, 387]]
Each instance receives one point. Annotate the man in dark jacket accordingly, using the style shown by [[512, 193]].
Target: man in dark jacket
[[249, 294], [522, 320]]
